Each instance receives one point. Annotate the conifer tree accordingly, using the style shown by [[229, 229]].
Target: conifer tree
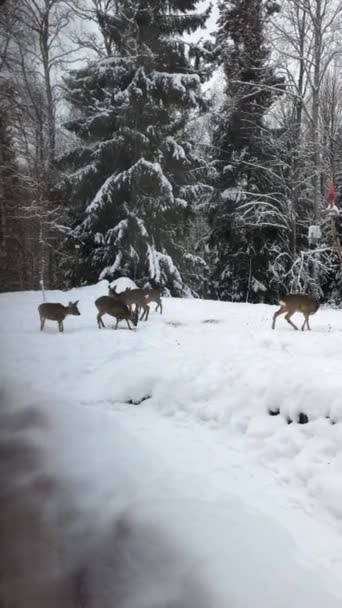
[[246, 215], [134, 180]]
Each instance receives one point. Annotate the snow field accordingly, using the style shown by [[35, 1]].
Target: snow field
[[227, 374], [264, 497]]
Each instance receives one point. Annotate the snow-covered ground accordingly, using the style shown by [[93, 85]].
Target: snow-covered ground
[[180, 408]]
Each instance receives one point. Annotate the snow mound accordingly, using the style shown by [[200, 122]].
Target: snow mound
[[123, 283]]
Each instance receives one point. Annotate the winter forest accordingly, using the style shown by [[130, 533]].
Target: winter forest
[[192, 145]]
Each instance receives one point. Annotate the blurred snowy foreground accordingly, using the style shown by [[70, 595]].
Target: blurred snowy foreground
[[172, 421]]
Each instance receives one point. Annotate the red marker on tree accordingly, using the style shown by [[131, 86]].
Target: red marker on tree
[[331, 194]]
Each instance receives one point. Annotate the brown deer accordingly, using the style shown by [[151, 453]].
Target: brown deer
[[56, 312], [297, 302], [115, 307], [140, 298], [154, 295], [132, 297]]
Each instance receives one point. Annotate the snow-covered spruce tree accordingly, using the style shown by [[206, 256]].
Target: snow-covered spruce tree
[[248, 212], [134, 180]]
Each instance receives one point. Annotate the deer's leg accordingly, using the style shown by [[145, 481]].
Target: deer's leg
[[127, 321], [42, 323], [276, 314], [288, 319], [143, 314], [60, 326], [147, 311], [160, 305], [117, 323], [307, 322], [100, 320]]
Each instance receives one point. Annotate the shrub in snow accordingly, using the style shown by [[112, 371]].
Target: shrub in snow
[[122, 283]]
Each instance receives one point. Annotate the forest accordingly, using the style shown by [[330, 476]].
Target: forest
[[138, 141]]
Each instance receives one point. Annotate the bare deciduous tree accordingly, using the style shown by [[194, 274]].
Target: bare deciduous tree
[[307, 33], [33, 51], [307, 38]]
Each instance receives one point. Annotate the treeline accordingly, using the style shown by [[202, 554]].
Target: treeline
[[133, 143]]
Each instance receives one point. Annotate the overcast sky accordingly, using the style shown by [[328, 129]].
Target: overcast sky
[[211, 23]]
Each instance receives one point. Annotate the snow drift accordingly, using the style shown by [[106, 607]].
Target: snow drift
[[171, 423]]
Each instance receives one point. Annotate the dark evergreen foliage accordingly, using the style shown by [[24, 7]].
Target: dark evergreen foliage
[[247, 214], [134, 179]]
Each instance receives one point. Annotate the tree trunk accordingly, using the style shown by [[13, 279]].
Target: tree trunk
[[44, 43], [297, 132], [315, 112]]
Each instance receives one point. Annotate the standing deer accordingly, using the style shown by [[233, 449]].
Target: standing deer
[[115, 307], [299, 302], [139, 298], [56, 312], [154, 295]]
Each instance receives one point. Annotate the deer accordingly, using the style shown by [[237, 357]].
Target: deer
[[116, 308], [139, 298], [297, 302], [131, 297], [57, 312], [154, 295]]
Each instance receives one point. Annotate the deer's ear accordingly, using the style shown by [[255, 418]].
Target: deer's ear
[[75, 303], [70, 304]]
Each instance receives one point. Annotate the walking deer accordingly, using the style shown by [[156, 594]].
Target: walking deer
[[299, 302], [140, 298], [56, 312], [116, 308]]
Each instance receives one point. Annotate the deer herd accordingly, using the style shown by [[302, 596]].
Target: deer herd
[[127, 305], [122, 306]]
